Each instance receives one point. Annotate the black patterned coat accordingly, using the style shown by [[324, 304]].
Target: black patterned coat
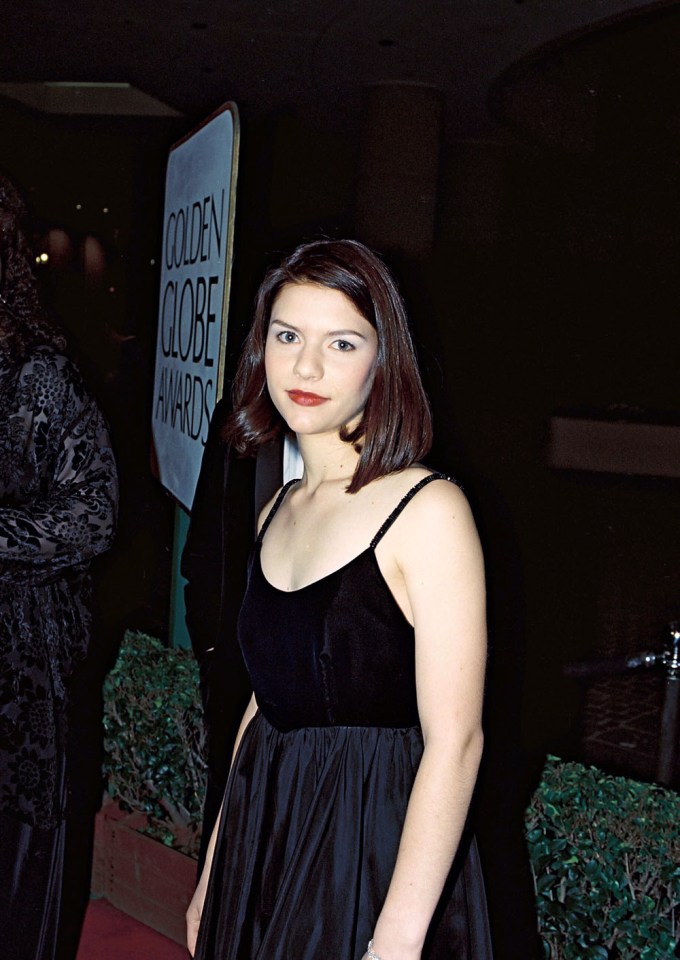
[[58, 498]]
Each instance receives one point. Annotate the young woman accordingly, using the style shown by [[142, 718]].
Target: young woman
[[342, 832]]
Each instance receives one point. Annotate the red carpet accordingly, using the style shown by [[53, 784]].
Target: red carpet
[[109, 934]]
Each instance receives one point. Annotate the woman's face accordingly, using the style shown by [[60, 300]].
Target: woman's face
[[320, 356]]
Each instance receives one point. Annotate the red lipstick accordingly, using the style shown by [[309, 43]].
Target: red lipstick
[[306, 399]]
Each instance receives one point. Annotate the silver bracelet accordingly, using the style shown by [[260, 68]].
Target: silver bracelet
[[369, 952]]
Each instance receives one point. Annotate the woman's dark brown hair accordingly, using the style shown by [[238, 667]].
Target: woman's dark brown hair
[[396, 427], [24, 323]]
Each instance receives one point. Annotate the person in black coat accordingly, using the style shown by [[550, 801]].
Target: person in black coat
[[58, 505], [229, 495]]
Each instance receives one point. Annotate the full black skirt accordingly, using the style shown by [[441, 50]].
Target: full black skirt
[[307, 844]]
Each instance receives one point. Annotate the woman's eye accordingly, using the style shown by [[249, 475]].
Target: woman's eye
[[343, 345], [286, 336]]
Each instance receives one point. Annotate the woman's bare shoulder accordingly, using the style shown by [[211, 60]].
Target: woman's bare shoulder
[[437, 506], [434, 503], [402, 483]]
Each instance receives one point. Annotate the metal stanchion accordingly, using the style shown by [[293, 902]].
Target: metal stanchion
[[669, 660], [669, 718]]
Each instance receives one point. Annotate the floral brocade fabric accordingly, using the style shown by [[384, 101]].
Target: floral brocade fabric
[[58, 497]]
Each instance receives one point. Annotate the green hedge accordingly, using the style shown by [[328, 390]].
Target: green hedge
[[605, 854], [153, 738]]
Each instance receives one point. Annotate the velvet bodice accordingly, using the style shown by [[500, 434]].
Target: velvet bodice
[[321, 655]]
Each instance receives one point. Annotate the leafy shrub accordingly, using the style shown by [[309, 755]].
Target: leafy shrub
[[605, 855], [153, 738]]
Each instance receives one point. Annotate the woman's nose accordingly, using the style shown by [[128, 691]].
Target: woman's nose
[[308, 363]]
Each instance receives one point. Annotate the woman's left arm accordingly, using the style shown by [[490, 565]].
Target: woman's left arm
[[437, 550]]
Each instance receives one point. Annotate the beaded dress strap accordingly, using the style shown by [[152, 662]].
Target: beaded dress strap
[[277, 503], [403, 502]]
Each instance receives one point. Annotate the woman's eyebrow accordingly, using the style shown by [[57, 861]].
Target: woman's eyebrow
[[282, 323], [345, 333]]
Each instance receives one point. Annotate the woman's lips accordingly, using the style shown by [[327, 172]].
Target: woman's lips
[[306, 399]]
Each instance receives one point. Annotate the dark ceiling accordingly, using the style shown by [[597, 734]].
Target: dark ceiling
[[311, 55]]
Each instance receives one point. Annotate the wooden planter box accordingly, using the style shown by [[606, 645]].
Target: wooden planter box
[[141, 876]]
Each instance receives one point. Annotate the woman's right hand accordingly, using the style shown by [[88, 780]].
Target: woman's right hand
[[193, 917]]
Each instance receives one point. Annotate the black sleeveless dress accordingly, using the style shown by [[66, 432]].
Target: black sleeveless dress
[[318, 791]]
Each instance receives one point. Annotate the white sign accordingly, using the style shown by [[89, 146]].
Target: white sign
[[192, 315], [293, 464]]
